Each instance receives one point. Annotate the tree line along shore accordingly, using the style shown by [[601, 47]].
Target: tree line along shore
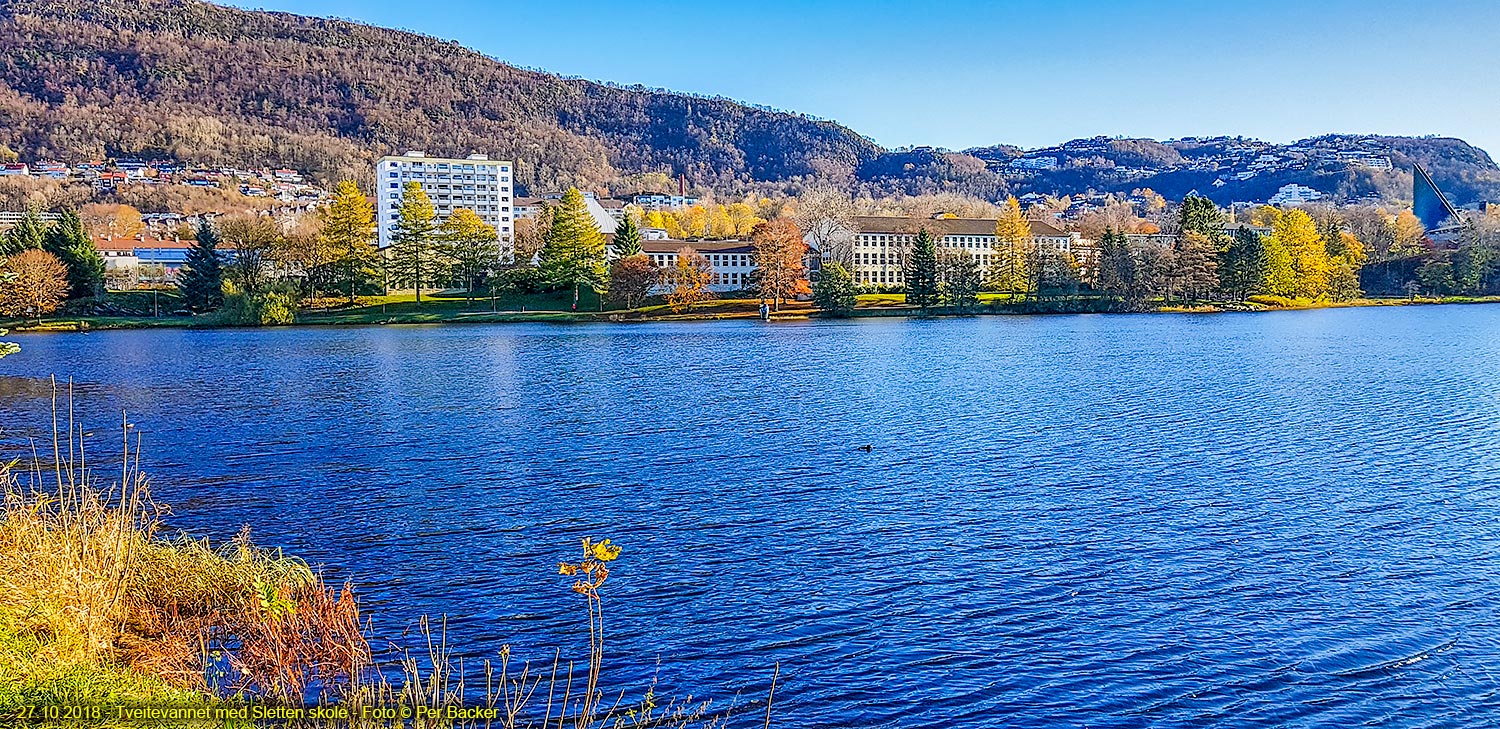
[[1191, 256]]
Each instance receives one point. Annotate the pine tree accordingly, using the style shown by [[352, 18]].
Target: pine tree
[[1200, 215], [1242, 268], [573, 255], [627, 237], [922, 271], [26, 234], [71, 244], [1119, 273], [962, 278], [834, 293], [348, 234], [201, 279], [413, 259], [1196, 264]]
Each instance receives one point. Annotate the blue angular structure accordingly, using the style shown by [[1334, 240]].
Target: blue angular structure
[[1428, 202]]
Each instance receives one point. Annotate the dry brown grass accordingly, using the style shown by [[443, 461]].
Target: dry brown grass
[[93, 579]]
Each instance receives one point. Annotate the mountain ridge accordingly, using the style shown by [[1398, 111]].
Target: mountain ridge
[[203, 83]]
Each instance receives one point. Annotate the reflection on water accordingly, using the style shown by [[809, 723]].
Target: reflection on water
[[1115, 520]]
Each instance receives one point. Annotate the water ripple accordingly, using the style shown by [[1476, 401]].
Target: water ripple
[[1239, 520]]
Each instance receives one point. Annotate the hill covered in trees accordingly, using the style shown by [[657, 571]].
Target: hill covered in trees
[[203, 84], [1232, 169]]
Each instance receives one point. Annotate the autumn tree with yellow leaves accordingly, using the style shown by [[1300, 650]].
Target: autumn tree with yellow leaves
[[1011, 267], [688, 280]]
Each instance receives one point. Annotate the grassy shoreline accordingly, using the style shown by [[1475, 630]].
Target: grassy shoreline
[[401, 310]]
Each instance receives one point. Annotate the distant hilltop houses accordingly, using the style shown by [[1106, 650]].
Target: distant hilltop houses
[[105, 176], [1232, 158]]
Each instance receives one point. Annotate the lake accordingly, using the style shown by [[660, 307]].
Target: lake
[[1171, 520]]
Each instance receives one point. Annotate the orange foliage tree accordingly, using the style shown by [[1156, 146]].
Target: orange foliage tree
[[36, 283], [779, 250]]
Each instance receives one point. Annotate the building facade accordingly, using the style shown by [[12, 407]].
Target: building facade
[[881, 245], [1294, 194], [733, 261], [147, 259], [475, 182]]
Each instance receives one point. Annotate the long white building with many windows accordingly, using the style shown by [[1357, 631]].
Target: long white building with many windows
[[881, 244], [475, 182], [733, 261]]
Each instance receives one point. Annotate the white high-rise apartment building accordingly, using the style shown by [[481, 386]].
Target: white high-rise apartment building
[[475, 182]]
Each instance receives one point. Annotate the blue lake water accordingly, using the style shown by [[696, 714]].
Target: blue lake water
[[1223, 520]]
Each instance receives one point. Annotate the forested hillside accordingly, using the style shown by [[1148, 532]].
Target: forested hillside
[[209, 85], [201, 83], [1233, 169]]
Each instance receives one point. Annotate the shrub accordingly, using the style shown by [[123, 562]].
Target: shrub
[[270, 308]]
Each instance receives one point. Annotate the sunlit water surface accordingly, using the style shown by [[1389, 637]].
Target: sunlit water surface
[[1233, 520]]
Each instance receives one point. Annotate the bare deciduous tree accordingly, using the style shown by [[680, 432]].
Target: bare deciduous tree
[[826, 216]]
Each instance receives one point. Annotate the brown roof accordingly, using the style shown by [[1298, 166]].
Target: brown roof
[[943, 226], [701, 246]]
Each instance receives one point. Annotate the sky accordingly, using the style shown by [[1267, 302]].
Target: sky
[[960, 74]]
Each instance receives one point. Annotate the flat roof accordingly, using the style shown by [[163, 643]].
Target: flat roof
[[943, 226], [442, 160]]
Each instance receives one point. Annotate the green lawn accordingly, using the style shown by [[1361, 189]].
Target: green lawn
[[133, 309]]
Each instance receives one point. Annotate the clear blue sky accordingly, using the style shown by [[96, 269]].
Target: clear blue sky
[[957, 73]]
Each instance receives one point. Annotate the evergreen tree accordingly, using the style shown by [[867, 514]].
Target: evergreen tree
[[348, 237], [1332, 232], [201, 279], [1196, 265], [922, 271], [69, 241], [1119, 272], [1114, 265], [962, 278], [627, 237], [834, 293], [26, 234], [1242, 268], [1200, 215], [413, 258], [573, 255]]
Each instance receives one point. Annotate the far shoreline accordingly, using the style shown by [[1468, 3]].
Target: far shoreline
[[73, 325]]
